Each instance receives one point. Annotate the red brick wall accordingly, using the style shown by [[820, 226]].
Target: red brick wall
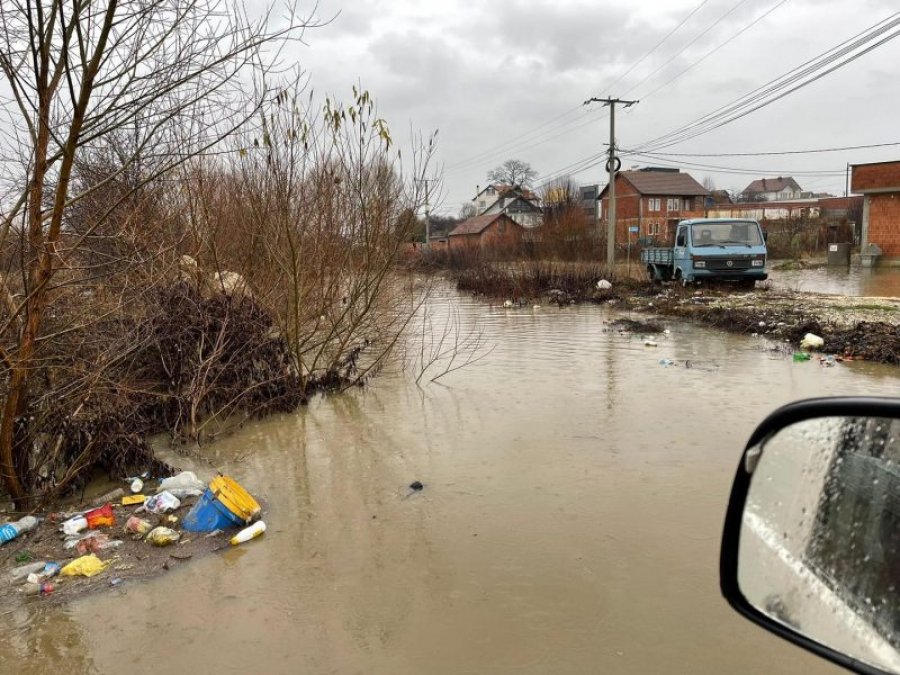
[[502, 233], [875, 176], [884, 222], [634, 209]]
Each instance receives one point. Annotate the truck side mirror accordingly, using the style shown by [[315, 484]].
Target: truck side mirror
[[811, 544]]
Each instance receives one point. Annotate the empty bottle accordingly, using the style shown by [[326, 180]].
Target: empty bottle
[[249, 533], [22, 571], [43, 588], [75, 525], [10, 531], [48, 571]]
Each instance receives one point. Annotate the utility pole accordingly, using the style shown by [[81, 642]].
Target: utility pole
[[847, 181], [427, 215], [611, 168]]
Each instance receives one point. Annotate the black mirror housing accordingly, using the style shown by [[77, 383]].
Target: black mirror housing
[[847, 411]]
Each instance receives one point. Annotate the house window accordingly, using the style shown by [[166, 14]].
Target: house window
[[653, 204], [673, 204], [653, 228], [687, 205]]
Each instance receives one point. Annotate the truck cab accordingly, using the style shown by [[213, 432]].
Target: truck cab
[[732, 249]]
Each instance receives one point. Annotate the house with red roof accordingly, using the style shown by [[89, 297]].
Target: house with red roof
[[495, 230], [653, 200], [771, 190]]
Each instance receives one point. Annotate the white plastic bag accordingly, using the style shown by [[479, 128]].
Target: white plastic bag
[[185, 484], [164, 502], [812, 341]]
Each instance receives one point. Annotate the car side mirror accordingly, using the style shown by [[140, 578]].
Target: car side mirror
[[811, 544]]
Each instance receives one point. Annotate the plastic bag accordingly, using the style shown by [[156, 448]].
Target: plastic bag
[[162, 503], [74, 525], [102, 517], [811, 341], [91, 544], [186, 481], [85, 566], [162, 536], [138, 526]]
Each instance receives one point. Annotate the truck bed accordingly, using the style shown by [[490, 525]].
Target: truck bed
[[657, 255]]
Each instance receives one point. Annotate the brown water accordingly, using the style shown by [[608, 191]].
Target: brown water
[[855, 281], [570, 523]]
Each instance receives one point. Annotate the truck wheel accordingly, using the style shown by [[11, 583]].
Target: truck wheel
[[653, 276], [679, 278]]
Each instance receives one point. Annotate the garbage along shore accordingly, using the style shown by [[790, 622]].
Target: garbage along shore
[[141, 530], [861, 328], [851, 328]]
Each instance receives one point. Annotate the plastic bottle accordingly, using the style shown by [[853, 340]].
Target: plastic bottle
[[44, 588], [22, 571], [248, 533], [75, 525], [48, 571], [136, 486], [12, 530]]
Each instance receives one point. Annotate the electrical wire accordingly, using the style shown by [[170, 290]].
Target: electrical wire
[[656, 46], [778, 88], [764, 154]]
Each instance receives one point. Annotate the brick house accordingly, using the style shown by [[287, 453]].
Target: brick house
[[496, 230], [654, 200], [879, 183]]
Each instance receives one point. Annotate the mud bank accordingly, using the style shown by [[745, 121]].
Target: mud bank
[[865, 328], [861, 328]]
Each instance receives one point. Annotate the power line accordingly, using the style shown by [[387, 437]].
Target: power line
[[783, 85], [764, 154], [656, 46], [715, 49], [518, 143], [483, 155], [742, 170], [688, 45]]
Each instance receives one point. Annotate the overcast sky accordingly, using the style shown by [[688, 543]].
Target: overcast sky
[[502, 80]]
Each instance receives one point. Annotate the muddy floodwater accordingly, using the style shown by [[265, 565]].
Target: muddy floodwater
[[570, 520], [856, 280]]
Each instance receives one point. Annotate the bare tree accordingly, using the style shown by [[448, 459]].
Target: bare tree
[[467, 210], [709, 183], [166, 73], [513, 172]]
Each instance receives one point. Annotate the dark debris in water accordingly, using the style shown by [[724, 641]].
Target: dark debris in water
[[633, 326]]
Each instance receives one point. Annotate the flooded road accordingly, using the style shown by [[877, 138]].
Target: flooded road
[[574, 494], [855, 281]]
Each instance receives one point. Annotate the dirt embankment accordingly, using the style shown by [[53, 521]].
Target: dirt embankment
[[862, 328]]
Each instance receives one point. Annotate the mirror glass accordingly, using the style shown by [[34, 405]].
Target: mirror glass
[[820, 537]]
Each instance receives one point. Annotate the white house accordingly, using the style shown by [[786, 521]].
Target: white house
[[520, 204], [771, 190]]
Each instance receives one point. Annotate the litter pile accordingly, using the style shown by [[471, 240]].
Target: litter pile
[[127, 535]]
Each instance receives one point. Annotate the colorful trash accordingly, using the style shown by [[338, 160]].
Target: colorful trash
[[85, 566], [224, 504]]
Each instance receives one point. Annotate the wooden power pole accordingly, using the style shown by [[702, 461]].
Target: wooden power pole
[[611, 168]]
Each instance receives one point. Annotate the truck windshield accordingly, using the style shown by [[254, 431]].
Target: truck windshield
[[725, 234]]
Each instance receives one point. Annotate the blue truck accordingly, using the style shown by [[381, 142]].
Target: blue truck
[[728, 249]]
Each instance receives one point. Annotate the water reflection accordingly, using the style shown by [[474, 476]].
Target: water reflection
[[574, 492], [854, 281]]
